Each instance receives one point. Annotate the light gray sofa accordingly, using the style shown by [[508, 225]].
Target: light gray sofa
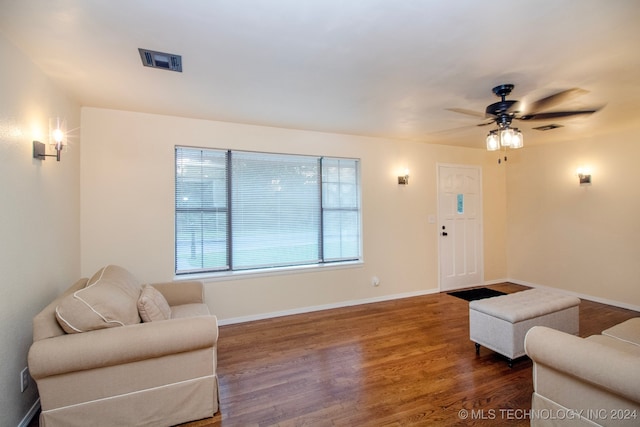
[[592, 381], [111, 352]]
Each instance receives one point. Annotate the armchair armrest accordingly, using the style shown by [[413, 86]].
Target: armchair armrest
[[119, 345], [590, 361], [179, 293]]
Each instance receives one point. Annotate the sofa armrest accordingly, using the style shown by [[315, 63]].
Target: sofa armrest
[[119, 345], [589, 361], [178, 293]]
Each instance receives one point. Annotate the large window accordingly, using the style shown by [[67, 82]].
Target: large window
[[239, 210]]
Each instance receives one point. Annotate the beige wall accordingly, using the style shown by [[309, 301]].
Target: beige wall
[[40, 233], [127, 217], [583, 239]]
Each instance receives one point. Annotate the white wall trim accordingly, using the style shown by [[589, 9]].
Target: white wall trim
[[579, 295], [32, 413], [309, 309], [496, 281]]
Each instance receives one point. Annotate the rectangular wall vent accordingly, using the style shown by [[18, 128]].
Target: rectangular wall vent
[[164, 61]]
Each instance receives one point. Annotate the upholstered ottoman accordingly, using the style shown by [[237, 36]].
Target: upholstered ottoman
[[500, 323]]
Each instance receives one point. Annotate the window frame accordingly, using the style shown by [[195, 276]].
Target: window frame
[[230, 268]]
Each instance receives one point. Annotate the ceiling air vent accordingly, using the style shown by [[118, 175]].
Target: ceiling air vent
[[164, 61], [547, 127]]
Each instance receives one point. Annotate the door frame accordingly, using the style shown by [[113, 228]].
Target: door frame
[[439, 219]]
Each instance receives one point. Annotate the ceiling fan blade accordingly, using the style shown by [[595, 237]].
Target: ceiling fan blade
[[555, 114], [551, 100], [460, 128], [467, 112]]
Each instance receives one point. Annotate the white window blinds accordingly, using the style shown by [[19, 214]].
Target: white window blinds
[[201, 229], [275, 210], [240, 210], [341, 209]]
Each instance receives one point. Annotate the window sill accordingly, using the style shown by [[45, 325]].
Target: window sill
[[277, 271]]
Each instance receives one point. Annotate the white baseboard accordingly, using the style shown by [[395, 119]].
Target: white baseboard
[[495, 282], [579, 295], [309, 309], [32, 413]]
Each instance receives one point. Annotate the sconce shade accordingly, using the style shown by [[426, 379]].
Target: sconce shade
[[585, 179], [57, 138], [584, 175], [404, 179]]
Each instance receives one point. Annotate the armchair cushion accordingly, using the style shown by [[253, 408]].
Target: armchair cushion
[[628, 331], [152, 305], [109, 299], [181, 292]]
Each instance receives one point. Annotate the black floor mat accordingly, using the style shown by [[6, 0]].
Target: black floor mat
[[477, 293]]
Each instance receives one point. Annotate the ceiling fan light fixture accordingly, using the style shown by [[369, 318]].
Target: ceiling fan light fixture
[[506, 135], [493, 142], [517, 141], [505, 111]]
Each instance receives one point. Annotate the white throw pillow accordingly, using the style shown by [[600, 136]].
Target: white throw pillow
[[152, 305], [109, 300]]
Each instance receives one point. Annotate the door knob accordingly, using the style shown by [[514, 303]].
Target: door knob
[[444, 233]]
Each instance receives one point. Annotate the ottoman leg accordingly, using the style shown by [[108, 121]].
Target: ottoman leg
[[477, 348]]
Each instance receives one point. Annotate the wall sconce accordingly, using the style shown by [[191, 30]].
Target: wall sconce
[[57, 138], [584, 175], [404, 179]]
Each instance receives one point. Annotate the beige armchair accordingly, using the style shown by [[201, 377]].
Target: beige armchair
[[593, 381], [146, 373]]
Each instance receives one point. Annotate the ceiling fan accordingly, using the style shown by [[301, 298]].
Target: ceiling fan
[[504, 112]]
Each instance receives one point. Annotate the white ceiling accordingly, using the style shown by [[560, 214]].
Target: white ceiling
[[386, 68]]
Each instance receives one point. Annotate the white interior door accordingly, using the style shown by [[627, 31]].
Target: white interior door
[[460, 226]]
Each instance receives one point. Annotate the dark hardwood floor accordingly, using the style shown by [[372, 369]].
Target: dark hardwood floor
[[402, 362], [399, 362]]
